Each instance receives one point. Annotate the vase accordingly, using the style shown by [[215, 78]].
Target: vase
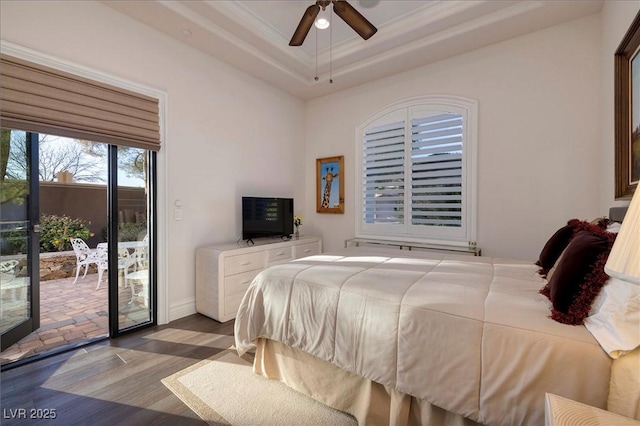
[[297, 234]]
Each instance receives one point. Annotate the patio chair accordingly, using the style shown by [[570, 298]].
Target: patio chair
[[103, 262], [142, 277], [125, 261], [140, 253], [85, 257], [8, 265]]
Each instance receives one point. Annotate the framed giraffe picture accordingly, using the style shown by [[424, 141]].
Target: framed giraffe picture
[[330, 185]]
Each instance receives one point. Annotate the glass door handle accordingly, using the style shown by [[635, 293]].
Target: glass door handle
[[37, 228]]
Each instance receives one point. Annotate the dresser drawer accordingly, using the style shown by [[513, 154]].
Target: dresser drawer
[[225, 271], [240, 282], [243, 263], [232, 303], [308, 249], [280, 254]]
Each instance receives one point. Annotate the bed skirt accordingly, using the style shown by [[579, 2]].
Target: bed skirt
[[624, 391], [369, 402]]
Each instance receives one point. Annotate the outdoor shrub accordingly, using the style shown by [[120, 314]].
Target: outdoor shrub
[[13, 241], [131, 231], [127, 232], [57, 232]]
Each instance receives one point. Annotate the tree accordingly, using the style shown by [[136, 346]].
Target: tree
[[5, 148], [131, 160], [85, 160], [134, 162], [14, 187], [56, 155]]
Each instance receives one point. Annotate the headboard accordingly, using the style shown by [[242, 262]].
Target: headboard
[[616, 214]]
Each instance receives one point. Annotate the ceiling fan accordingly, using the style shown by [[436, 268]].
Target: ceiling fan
[[344, 10]]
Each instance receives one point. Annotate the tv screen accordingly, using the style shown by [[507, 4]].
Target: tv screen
[[266, 217]]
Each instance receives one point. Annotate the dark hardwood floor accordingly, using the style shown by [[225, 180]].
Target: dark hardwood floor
[[116, 382]]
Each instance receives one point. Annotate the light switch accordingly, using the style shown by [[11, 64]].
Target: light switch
[[177, 214]]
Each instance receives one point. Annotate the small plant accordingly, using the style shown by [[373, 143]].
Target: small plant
[[57, 232], [297, 220]]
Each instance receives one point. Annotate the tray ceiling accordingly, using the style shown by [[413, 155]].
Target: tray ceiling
[[254, 35]]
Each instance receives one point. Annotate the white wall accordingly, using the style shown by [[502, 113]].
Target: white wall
[[539, 134], [545, 126], [228, 134]]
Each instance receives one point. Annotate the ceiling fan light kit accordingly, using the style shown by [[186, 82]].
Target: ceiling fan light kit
[[322, 23]]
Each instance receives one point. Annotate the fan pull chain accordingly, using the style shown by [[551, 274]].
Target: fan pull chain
[[330, 45], [316, 77]]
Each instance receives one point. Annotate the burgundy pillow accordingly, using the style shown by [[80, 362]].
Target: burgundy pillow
[[579, 275], [555, 246]]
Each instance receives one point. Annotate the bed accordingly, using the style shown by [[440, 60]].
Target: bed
[[407, 337]]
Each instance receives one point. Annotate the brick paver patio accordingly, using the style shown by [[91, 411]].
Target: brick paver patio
[[70, 313]]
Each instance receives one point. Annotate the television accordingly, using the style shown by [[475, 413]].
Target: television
[[266, 217]]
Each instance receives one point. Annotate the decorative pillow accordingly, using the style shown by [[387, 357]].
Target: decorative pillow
[[579, 274], [555, 246], [615, 317], [552, 271]]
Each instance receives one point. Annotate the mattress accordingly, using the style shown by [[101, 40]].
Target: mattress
[[471, 335]]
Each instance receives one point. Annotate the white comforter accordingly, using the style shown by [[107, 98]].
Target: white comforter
[[471, 335]]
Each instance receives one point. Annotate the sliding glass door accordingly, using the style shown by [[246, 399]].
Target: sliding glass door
[[128, 215], [19, 239], [132, 300], [105, 111]]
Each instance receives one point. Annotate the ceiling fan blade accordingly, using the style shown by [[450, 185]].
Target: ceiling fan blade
[[305, 25], [354, 19]]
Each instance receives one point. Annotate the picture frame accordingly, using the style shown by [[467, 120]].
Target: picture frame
[[627, 112], [330, 185]]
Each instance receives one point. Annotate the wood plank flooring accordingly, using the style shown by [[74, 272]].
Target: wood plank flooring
[[116, 382]]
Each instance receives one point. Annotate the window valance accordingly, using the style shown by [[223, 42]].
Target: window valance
[[41, 99]]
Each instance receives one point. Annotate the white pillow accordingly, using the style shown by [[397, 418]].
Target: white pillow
[[615, 317], [614, 227]]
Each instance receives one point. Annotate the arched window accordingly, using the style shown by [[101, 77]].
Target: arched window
[[416, 161]]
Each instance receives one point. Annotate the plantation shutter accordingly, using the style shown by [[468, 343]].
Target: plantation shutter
[[417, 161], [383, 174], [436, 170], [40, 99]]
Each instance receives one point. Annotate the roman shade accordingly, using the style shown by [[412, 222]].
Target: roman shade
[[41, 99]]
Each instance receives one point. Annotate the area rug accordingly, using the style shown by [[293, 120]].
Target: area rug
[[224, 390]]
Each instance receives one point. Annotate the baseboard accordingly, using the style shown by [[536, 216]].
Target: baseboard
[[182, 308]]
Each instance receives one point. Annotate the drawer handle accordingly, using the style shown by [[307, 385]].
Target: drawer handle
[[307, 250], [280, 253], [245, 264]]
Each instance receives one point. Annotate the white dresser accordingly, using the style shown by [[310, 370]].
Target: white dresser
[[224, 271]]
